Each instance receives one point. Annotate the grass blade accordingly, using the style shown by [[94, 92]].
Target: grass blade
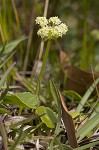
[[87, 95], [88, 126], [87, 146], [6, 74], [6, 59], [57, 141], [54, 93]]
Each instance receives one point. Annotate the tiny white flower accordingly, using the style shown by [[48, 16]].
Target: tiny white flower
[[55, 20], [42, 21]]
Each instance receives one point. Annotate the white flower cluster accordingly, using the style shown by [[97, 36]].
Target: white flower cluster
[[55, 20], [42, 21], [51, 29]]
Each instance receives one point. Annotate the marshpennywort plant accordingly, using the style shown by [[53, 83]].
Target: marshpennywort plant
[[50, 29]]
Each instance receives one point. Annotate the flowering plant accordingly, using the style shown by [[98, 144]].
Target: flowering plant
[[51, 29]]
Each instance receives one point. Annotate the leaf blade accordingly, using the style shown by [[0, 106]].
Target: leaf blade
[[86, 96], [24, 99], [88, 126]]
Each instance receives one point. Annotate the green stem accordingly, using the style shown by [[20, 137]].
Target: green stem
[[20, 110], [43, 66], [44, 61]]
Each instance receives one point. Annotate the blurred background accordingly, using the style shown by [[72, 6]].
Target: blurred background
[[81, 44]]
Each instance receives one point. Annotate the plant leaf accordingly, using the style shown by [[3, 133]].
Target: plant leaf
[[52, 115], [12, 45], [69, 124], [96, 109], [45, 118], [6, 59], [4, 111], [87, 95], [25, 82], [5, 75], [87, 146], [25, 99], [51, 144], [57, 141], [88, 126], [54, 93], [72, 94]]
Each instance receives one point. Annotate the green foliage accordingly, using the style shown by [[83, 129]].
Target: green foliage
[[5, 75], [87, 95], [24, 99], [87, 146], [8, 48], [88, 126], [72, 95], [4, 111], [49, 117], [7, 51], [54, 93]]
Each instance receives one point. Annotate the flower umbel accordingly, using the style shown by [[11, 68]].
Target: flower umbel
[[42, 21], [55, 20], [51, 29]]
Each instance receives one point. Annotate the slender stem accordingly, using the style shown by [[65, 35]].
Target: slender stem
[[44, 61], [43, 66], [20, 110], [45, 15]]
